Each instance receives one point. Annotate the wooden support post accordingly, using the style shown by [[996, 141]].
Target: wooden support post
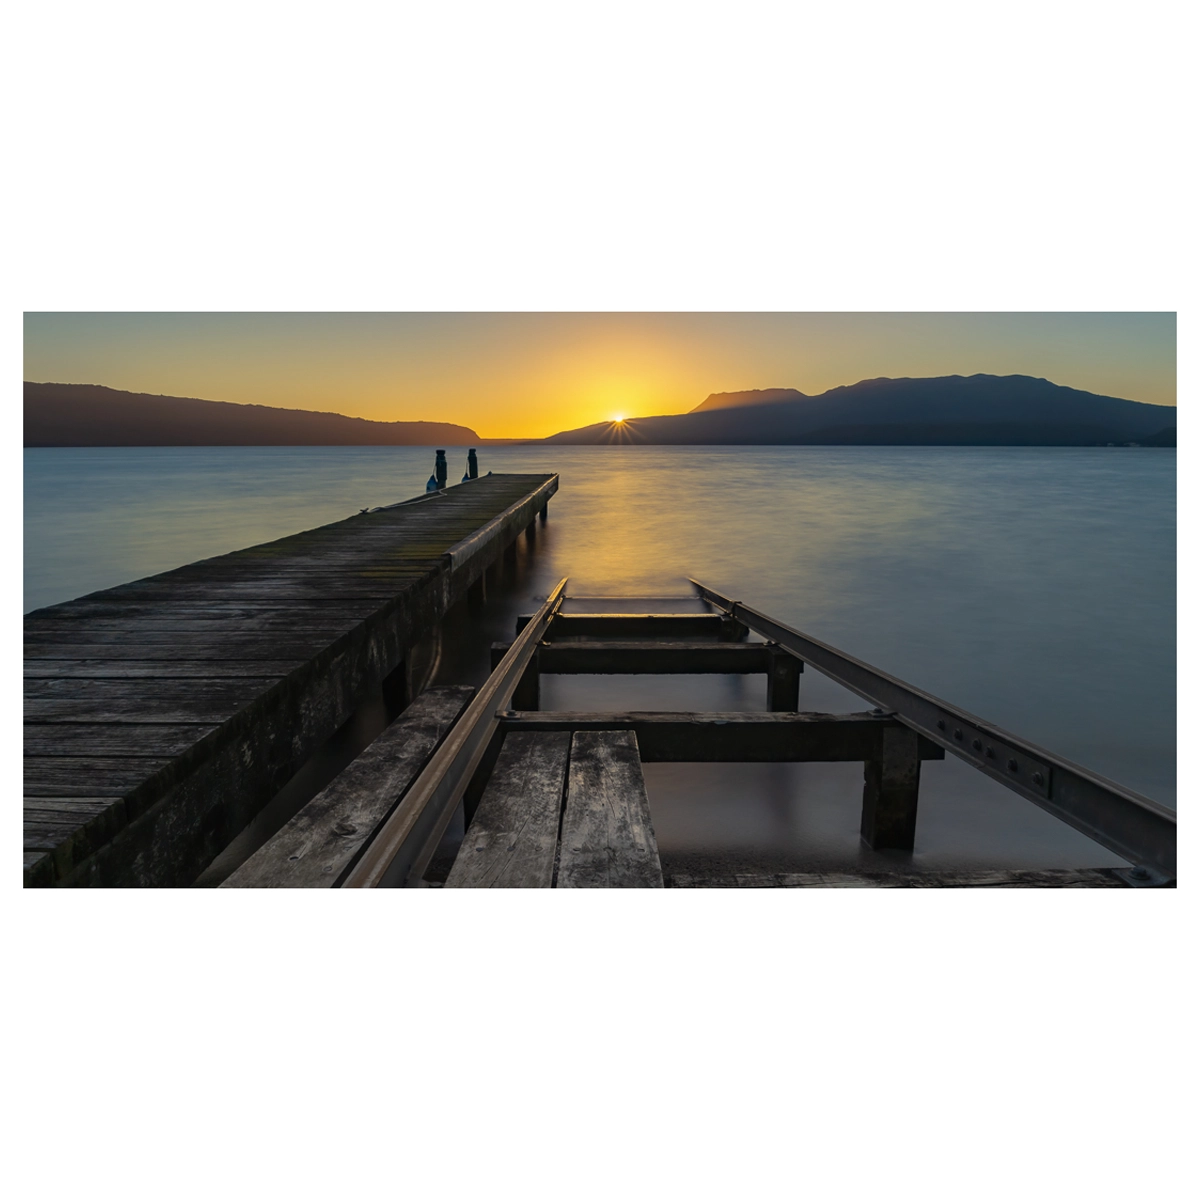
[[542, 514], [510, 555], [890, 786], [783, 681], [531, 532], [476, 596]]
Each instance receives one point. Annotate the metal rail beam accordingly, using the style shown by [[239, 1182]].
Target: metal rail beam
[[404, 844], [1131, 825]]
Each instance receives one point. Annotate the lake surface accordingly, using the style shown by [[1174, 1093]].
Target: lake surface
[[1034, 587]]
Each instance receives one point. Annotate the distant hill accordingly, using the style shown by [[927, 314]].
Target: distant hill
[[976, 410], [80, 414], [743, 399]]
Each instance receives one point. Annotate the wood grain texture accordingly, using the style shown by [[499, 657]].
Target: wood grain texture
[[328, 613], [317, 846], [511, 841], [112, 740], [39, 869], [155, 701], [607, 837], [164, 668], [69, 829], [734, 736], [80, 776], [152, 650]]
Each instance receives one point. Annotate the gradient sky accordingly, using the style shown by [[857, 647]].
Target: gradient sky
[[533, 374]]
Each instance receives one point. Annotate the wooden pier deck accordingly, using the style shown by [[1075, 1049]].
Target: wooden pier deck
[[162, 715]]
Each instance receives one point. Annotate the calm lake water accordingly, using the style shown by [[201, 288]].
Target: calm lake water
[[1034, 587]]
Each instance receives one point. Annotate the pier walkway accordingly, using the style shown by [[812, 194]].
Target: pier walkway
[[162, 715]]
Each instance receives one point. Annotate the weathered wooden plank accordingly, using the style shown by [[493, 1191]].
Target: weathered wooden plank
[[607, 837], [513, 838], [172, 606], [650, 658], [111, 740], [150, 701], [69, 776], [317, 846], [68, 805], [69, 830], [99, 629], [733, 736], [150, 649], [284, 588], [108, 668], [1105, 877], [39, 868]]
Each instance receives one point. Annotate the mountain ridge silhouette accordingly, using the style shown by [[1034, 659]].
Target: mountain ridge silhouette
[[89, 414], [949, 409]]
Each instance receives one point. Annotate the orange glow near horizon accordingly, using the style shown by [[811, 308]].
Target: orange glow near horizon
[[517, 375]]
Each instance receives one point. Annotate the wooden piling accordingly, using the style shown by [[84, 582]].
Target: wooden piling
[[783, 681], [891, 781]]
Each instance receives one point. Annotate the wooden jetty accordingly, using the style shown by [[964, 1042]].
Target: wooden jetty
[[557, 799], [162, 715]]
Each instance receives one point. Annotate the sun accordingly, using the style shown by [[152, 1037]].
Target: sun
[[619, 419]]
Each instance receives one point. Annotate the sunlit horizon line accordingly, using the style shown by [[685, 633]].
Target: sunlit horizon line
[[346, 410]]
